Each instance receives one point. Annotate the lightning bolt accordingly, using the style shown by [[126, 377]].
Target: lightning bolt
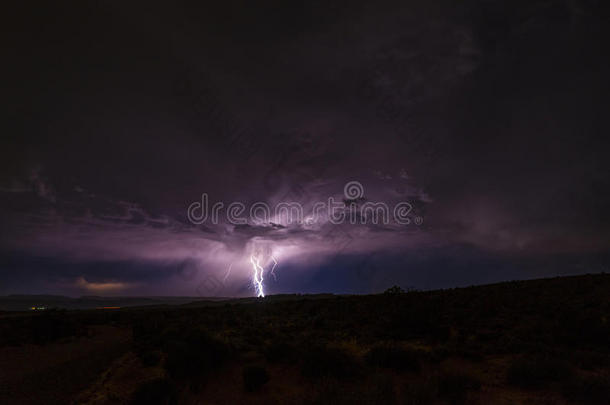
[[257, 274]]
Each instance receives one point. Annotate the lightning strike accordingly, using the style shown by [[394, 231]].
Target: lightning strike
[[257, 274]]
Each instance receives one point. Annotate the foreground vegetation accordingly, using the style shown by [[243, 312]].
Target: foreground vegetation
[[539, 341]]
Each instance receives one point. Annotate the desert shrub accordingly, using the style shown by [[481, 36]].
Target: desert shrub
[[393, 357], [252, 339], [325, 361], [590, 360], [194, 354], [588, 389], [420, 392], [280, 352], [147, 350], [378, 390], [157, 391], [148, 338], [254, 378], [437, 354], [466, 348], [538, 372], [418, 318], [454, 386], [150, 357], [583, 329], [394, 290]]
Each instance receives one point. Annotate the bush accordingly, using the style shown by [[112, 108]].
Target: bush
[[393, 357], [590, 360], [420, 393], [280, 352], [377, 390], [194, 354], [329, 362], [455, 386], [254, 378], [149, 358], [537, 373], [590, 390], [157, 391], [394, 290]]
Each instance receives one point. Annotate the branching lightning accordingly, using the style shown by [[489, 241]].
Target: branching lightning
[[257, 274]]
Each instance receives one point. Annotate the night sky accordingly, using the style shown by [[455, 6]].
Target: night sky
[[489, 118]]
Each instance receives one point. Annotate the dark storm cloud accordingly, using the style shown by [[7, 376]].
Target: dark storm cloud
[[487, 117]]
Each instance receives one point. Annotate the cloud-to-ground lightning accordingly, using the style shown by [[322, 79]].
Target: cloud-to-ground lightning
[[257, 276], [258, 272]]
